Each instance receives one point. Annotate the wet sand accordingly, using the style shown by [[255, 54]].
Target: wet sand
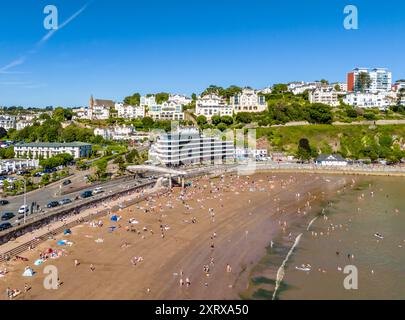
[[176, 236]]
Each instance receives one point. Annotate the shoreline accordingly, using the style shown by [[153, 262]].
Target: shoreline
[[240, 226]]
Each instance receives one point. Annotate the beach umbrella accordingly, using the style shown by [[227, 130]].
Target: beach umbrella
[[67, 231], [114, 218]]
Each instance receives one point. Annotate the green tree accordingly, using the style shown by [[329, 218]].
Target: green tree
[[304, 151], [201, 120], [228, 120], [280, 88], [147, 122], [351, 113], [60, 114], [216, 120], [363, 81], [319, 113], [7, 153], [131, 156], [244, 117], [222, 126], [3, 133], [161, 97], [134, 100]]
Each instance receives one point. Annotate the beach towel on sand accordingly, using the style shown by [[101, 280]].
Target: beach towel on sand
[[38, 262]]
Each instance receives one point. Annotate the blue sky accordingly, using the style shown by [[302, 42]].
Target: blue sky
[[114, 48]]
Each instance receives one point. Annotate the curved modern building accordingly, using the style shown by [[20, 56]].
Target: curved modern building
[[189, 146]]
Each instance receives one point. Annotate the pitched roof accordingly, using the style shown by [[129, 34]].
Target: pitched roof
[[105, 103], [330, 157]]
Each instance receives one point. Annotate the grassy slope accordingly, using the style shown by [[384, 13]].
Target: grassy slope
[[327, 138]]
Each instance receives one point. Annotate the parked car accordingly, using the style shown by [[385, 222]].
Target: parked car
[[5, 226], [38, 174], [65, 201], [11, 180], [4, 202], [23, 209], [7, 216], [66, 182], [86, 194], [22, 172], [98, 190], [52, 204]]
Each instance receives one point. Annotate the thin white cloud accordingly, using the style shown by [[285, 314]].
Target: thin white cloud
[[34, 86], [13, 83], [13, 64], [44, 39], [64, 24]]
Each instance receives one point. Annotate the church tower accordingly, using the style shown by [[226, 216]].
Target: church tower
[[91, 107]]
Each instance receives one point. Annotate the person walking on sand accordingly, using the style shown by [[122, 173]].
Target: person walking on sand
[[9, 292], [228, 268], [181, 282], [92, 268], [77, 263], [188, 282]]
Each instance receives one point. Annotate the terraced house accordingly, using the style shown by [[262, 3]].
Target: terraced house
[[49, 150]]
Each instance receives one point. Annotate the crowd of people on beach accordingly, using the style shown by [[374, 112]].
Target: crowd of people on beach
[[204, 200]]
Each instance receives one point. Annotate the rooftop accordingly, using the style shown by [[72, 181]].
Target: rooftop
[[53, 144], [330, 157]]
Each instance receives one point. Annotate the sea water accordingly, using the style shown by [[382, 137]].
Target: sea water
[[340, 232]]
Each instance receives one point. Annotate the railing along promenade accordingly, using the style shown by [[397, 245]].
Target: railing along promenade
[[42, 220], [377, 170]]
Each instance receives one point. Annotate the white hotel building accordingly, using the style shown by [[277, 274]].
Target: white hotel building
[[7, 122], [324, 95], [213, 105], [248, 101], [148, 101], [130, 112], [189, 146], [166, 111], [180, 99], [369, 100], [48, 150]]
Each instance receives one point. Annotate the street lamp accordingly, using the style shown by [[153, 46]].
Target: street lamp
[[25, 200]]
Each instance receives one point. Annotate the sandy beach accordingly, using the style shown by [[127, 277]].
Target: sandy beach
[[200, 243]]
